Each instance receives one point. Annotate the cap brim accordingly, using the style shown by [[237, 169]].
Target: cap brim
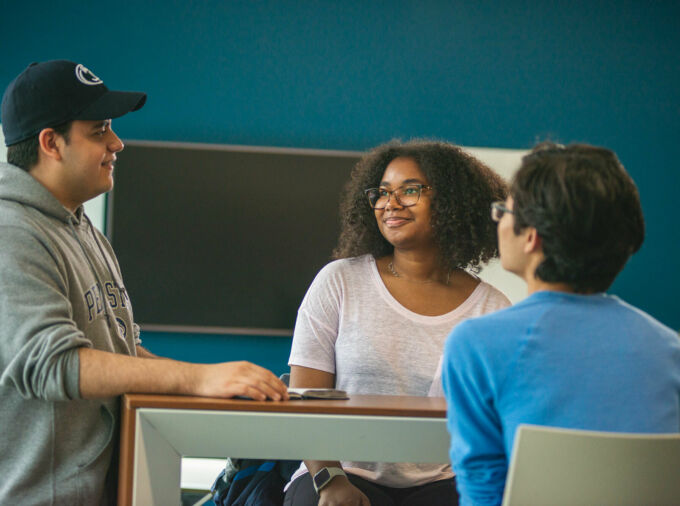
[[113, 104]]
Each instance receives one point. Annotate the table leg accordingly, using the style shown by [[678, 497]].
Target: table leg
[[157, 467]]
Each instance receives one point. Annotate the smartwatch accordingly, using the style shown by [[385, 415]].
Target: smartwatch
[[324, 477]]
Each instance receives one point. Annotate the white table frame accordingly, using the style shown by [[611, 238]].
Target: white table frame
[[163, 436]]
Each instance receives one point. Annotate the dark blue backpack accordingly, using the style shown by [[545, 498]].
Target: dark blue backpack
[[253, 482]]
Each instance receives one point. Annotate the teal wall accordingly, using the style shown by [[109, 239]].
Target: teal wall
[[352, 74], [268, 351]]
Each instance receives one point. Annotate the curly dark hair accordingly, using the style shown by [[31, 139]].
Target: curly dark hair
[[586, 210], [463, 191]]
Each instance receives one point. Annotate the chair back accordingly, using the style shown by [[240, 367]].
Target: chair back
[[552, 466]]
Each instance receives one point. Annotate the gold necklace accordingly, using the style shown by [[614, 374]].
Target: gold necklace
[[390, 266]]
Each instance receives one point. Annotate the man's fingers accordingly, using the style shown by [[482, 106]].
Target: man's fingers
[[230, 379], [258, 389], [272, 389], [254, 393], [267, 382]]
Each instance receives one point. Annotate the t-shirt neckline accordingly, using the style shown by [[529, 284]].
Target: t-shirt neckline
[[454, 314]]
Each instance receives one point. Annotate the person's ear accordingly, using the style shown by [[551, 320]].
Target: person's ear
[[532, 241], [50, 143]]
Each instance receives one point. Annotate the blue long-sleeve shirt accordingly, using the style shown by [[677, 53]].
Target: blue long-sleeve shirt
[[556, 359]]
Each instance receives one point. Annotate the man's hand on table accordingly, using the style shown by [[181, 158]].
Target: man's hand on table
[[229, 379]]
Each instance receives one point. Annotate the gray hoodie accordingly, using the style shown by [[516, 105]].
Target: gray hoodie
[[60, 289]]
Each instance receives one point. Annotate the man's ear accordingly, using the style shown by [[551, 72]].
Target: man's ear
[[532, 241], [50, 143]]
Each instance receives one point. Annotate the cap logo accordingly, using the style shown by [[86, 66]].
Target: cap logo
[[85, 76]]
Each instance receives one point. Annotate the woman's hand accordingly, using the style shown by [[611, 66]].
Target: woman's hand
[[340, 492]]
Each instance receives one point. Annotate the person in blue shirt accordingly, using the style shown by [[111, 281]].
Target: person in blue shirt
[[569, 355]]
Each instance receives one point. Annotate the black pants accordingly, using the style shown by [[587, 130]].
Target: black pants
[[301, 493]]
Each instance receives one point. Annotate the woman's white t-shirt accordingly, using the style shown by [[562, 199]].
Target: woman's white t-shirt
[[350, 325]]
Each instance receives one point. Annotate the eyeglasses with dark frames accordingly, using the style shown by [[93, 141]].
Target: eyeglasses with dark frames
[[498, 209], [406, 196]]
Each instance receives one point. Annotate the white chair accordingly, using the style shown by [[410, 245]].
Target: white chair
[[552, 466]]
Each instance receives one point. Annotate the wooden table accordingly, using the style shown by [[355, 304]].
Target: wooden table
[[157, 430]]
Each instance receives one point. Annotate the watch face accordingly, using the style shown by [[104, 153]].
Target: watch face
[[321, 477]]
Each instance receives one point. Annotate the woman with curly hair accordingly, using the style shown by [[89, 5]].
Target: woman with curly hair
[[374, 321]]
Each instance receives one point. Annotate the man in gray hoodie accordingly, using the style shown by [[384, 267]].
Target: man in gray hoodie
[[68, 342]]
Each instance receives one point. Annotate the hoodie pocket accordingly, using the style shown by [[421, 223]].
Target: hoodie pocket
[[109, 424], [92, 472]]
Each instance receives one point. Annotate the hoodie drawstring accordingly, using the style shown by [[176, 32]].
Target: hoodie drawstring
[[110, 318]]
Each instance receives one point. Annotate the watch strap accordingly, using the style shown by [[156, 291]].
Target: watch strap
[[324, 476]]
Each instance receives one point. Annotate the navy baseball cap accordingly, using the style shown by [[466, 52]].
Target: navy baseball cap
[[50, 93]]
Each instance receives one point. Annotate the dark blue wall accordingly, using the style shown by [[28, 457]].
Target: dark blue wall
[[350, 75]]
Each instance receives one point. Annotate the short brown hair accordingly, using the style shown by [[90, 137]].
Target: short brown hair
[[586, 210], [24, 154]]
